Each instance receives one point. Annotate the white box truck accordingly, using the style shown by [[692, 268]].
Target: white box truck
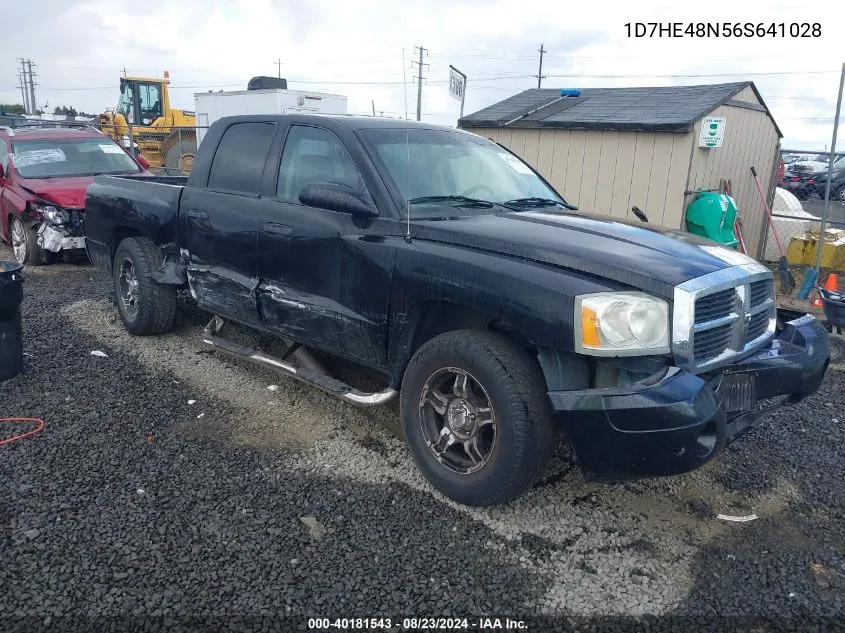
[[211, 106]]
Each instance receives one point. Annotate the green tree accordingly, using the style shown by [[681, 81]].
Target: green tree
[[12, 108]]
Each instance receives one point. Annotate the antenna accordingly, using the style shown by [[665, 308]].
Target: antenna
[[408, 150]]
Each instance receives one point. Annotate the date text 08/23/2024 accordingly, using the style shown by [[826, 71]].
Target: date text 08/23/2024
[[726, 30], [417, 624]]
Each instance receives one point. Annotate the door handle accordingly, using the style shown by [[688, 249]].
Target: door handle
[[283, 230], [197, 214]]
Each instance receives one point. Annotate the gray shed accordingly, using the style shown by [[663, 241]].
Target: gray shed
[[609, 149]]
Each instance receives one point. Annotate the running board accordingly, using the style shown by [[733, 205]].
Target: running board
[[310, 377]]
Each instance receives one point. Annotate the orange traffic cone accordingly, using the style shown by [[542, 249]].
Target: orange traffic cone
[[831, 283]]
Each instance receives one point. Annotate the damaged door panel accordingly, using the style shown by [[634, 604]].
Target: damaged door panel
[[312, 290], [222, 261], [220, 224]]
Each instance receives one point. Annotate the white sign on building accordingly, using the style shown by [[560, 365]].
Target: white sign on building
[[712, 131]]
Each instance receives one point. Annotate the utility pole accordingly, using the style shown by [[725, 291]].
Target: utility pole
[[24, 85], [32, 101], [540, 76], [420, 80], [830, 161], [278, 63], [124, 71]]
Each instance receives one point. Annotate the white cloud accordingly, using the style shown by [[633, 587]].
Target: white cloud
[[81, 47]]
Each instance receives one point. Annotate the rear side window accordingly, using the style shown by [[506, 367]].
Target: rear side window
[[239, 160]]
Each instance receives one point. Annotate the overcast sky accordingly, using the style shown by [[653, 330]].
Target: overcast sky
[[355, 48]]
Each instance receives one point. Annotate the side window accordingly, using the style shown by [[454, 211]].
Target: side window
[[149, 96], [315, 155], [4, 154], [239, 160]]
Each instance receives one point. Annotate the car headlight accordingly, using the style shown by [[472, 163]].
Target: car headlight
[[621, 324], [53, 214]]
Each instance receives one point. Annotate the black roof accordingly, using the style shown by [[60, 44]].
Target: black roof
[[351, 121], [661, 109]]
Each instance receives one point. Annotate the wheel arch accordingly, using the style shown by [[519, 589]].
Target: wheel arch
[[119, 234], [427, 319]]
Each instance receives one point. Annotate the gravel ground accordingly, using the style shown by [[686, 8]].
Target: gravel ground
[[170, 481]]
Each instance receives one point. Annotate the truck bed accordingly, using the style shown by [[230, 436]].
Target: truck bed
[[140, 205]]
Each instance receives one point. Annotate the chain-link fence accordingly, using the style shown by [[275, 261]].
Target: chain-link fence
[[168, 150], [797, 224]]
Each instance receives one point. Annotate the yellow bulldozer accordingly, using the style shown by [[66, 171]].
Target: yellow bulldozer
[[144, 121]]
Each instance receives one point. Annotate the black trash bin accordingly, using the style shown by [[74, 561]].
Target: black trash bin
[[11, 328]]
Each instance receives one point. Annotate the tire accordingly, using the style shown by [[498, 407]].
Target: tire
[[518, 443], [25, 244], [180, 158], [838, 194], [145, 306]]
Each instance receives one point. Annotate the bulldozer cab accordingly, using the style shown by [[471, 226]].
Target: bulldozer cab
[[142, 101], [144, 121]]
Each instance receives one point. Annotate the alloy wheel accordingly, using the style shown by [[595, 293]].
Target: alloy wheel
[[128, 288], [19, 241], [457, 419]]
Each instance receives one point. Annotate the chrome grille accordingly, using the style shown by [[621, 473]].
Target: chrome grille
[[722, 316], [713, 306]]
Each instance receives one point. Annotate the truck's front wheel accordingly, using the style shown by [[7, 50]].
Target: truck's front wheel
[[477, 417], [145, 306]]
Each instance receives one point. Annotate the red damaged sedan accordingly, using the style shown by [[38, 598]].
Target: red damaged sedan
[[43, 176]]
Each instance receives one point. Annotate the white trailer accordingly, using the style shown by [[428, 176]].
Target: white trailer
[[210, 106]]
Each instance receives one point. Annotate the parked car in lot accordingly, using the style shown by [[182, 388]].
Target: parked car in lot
[[496, 313], [43, 176], [801, 184], [837, 182]]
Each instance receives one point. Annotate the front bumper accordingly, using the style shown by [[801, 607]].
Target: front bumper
[[680, 421], [60, 238]]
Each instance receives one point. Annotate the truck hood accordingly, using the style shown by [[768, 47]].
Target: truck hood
[[68, 193], [643, 256]]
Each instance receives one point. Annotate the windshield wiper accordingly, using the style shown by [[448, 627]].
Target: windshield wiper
[[458, 201], [537, 202]]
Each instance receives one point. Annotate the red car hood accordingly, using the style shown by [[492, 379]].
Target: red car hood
[[64, 192]]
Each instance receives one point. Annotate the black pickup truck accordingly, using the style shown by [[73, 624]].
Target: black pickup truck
[[442, 260]]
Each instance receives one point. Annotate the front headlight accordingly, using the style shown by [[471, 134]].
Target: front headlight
[[53, 214], [621, 324]]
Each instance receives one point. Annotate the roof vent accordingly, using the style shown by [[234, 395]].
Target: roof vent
[[570, 92]]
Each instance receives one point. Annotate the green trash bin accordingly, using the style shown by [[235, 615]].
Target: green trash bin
[[712, 215]]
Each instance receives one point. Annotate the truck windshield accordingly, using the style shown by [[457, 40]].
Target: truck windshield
[[452, 167], [56, 158]]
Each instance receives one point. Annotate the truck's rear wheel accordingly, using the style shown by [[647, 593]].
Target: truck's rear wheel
[[477, 417], [145, 306]]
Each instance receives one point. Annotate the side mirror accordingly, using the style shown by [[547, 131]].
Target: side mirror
[[142, 161], [336, 197]]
